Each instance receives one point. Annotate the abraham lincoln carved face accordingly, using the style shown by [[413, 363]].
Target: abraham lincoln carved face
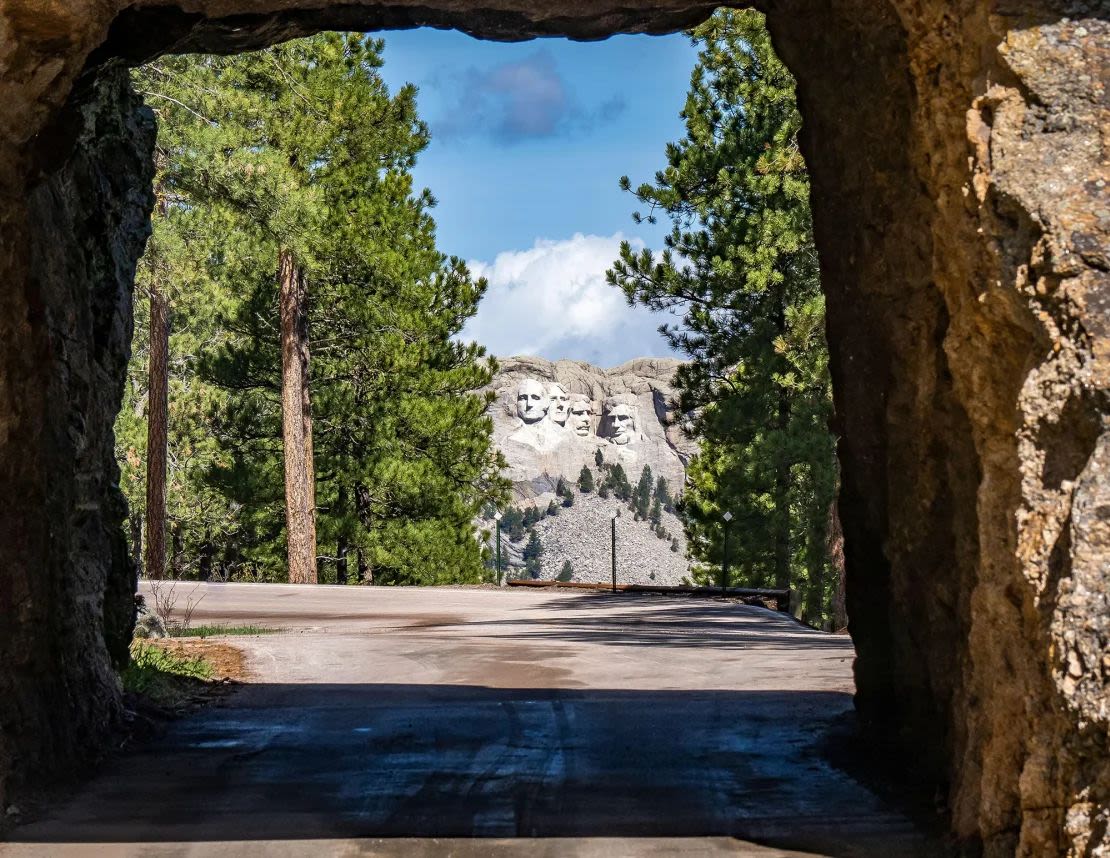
[[622, 424]]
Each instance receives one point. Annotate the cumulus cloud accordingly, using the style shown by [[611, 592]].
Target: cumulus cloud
[[516, 101], [552, 300]]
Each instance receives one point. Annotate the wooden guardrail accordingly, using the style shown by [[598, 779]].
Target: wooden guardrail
[[765, 597]]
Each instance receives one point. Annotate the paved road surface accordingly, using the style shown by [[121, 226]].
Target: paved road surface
[[466, 713]]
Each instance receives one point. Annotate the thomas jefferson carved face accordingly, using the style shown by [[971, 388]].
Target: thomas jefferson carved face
[[532, 402], [559, 401], [622, 424], [580, 413]]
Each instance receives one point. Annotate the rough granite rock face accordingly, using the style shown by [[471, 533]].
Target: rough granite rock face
[[559, 444], [552, 417], [67, 586], [958, 153], [582, 534]]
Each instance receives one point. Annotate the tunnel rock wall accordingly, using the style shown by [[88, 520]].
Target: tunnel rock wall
[[66, 582], [958, 159]]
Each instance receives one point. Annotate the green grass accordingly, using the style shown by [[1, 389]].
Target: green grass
[[214, 631], [162, 676]]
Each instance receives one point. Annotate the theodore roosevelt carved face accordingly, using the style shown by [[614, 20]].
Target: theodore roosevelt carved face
[[559, 401], [581, 412], [532, 402]]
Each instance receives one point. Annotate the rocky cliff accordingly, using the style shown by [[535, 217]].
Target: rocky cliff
[[551, 419]]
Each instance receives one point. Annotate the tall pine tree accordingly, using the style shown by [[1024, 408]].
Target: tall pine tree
[[740, 266], [299, 152]]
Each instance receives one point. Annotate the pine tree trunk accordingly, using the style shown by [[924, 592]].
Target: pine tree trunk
[[782, 524], [136, 520], [296, 424], [157, 435], [365, 573], [816, 560], [341, 562]]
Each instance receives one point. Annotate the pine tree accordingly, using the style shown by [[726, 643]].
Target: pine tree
[[512, 523], [271, 153], [617, 481], [663, 494], [566, 574], [533, 554], [599, 459], [740, 265], [643, 493], [586, 480], [158, 384]]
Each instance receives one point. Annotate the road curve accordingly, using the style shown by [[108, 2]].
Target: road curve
[[381, 717]]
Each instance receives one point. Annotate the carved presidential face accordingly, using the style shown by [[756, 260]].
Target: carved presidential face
[[532, 402], [622, 424], [559, 403], [580, 414]]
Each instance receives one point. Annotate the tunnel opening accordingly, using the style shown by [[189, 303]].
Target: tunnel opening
[[938, 310], [180, 604]]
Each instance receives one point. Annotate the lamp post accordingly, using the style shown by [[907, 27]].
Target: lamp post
[[613, 516], [724, 565], [497, 519]]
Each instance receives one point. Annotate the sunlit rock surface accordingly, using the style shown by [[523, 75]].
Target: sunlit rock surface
[[626, 412], [551, 419]]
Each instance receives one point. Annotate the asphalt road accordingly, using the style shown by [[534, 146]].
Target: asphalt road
[[381, 717]]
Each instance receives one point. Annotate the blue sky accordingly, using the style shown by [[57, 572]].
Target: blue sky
[[528, 142]]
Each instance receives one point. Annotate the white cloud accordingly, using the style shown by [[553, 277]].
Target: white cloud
[[552, 300]]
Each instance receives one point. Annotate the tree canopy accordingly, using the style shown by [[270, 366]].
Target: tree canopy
[[302, 148], [740, 268]]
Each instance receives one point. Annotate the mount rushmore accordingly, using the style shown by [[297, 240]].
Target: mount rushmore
[[550, 418]]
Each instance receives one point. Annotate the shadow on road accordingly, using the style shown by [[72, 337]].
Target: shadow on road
[[300, 761], [597, 618]]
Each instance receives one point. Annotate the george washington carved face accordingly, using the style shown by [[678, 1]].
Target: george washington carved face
[[532, 401]]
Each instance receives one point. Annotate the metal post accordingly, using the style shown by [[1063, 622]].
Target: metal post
[[497, 521], [614, 554], [724, 564]]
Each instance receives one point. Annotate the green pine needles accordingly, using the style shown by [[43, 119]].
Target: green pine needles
[[302, 148], [740, 267]]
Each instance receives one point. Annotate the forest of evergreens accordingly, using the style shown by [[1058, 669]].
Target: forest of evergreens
[[740, 267], [322, 418], [298, 154]]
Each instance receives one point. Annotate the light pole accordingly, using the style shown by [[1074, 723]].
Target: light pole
[[724, 566], [614, 515], [497, 519]]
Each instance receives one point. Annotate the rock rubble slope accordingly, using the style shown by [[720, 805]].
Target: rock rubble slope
[[551, 418]]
